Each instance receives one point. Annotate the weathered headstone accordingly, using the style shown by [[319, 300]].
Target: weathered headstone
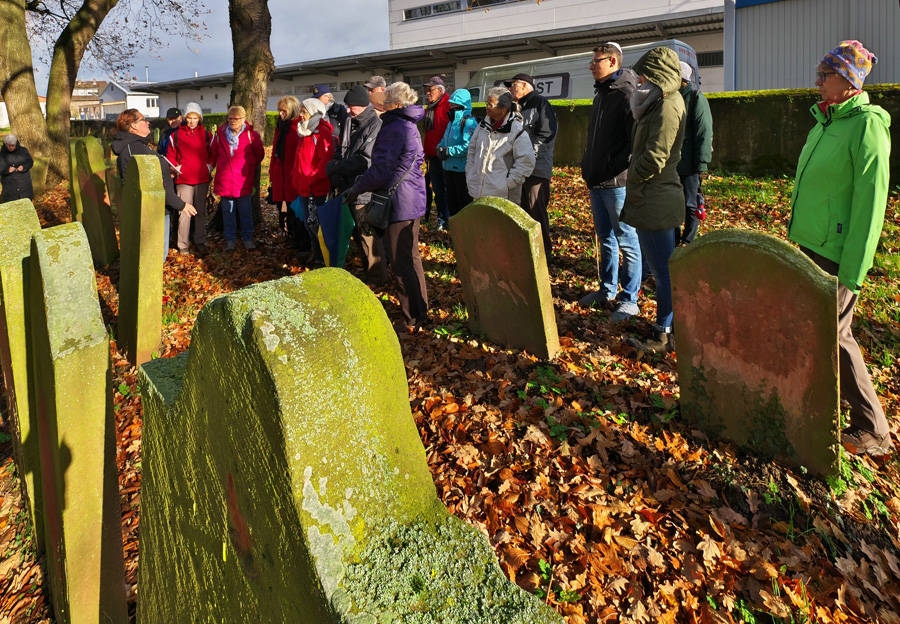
[[113, 185], [74, 183], [141, 267], [97, 216], [503, 269], [283, 479], [18, 223], [73, 401], [39, 175], [756, 337]]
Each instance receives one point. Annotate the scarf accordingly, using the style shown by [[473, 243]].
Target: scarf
[[233, 138], [283, 126], [643, 98], [309, 126]]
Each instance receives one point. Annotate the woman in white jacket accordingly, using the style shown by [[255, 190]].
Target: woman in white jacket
[[500, 153]]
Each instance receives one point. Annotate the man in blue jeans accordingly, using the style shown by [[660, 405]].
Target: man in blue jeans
[[603, 168]]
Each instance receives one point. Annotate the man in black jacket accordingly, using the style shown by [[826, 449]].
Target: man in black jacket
[[337, 113], [350, 161], [603, 168], [15, 163], [540, 124]]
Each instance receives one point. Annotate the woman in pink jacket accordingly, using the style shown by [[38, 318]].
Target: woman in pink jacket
[[314, 150], [236, 151]]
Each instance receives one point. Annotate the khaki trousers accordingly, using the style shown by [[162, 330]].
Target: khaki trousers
[[194, 194]]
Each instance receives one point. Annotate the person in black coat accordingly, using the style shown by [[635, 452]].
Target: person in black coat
[[351, 159], [15, 163]]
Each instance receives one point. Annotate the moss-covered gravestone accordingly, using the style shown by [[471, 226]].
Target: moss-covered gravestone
[[284, 480], [141, 267], [18, 223], [96, 216], [74, 183], [756, 336], [73, 403], [113, 185], [39, 175], [503, 269]]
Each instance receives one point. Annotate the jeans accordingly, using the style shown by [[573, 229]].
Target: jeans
[[166, 221], [615, 236], [244, 212], [657, 247]]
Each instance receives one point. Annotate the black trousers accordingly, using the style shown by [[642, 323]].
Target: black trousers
[[402, 242], [457, 191], [691, 184], [535, 199]]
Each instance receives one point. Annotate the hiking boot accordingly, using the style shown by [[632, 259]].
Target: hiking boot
[[250, 245], [595, 300], [624, 311], [858, 442], [229, 246], [659, 342]]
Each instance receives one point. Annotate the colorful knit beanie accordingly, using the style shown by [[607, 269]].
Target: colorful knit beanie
[[852, 61]]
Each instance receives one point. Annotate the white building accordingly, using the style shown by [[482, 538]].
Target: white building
[[116, 98], [456, 38]]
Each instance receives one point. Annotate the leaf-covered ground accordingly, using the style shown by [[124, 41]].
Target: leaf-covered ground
[[594, 494]]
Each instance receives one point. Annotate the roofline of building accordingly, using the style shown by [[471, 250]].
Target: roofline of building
[[451, 54]]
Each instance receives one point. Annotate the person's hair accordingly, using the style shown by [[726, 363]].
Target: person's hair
[[328, 96], [609, 49], [291, 105], [10, 139], [193, 114], [502, 95], [126, 118], [237, 109], [400, 93]]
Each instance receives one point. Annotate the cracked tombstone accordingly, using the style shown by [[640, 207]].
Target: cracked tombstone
[[18, 223], [284, 479], [756, 337], [141, 266], [76, 431], [96, 213], [503, 269]]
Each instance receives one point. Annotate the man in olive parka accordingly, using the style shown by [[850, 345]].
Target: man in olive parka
[[654, 199]]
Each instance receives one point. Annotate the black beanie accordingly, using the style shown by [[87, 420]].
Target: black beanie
[[358, 95]]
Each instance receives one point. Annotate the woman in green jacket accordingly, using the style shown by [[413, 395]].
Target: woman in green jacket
[[654, 199], [837, 211]]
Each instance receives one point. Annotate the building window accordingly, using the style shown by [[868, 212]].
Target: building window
[[217, 96], [201, 97], [453, 6], [711, 59], [152, 102]]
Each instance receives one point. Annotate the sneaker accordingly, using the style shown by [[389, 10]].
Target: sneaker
[[229, 246], [858, 442], [249, 245], [183, 252], [595, 300], [624, 311], [659, 342]]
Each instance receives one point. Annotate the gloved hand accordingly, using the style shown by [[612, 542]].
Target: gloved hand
[[442, 152], [350, 196]]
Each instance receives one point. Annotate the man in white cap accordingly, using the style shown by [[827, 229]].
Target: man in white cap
[[696, 152]]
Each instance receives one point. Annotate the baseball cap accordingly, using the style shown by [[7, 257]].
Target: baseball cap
[[375, 81], [523, 77], [434, 81], [320, 89], [173, 113]]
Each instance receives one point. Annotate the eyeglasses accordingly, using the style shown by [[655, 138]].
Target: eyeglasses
[[595, 62], [823, 76], [235, 118], [140, 120]]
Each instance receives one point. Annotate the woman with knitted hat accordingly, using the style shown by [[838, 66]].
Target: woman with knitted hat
[[837, 211]]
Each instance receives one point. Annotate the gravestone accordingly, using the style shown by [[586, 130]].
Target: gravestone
[[756, 337], [18, 223], [96, 215], [503, 269], [74, 184], [39, 175], [141, 266], [284, 479], [73, 400], [113, 185]]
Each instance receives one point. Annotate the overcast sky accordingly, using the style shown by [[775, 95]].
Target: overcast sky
[[301, 31]]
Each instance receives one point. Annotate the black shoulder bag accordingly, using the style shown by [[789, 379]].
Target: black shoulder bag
[[378, 210]]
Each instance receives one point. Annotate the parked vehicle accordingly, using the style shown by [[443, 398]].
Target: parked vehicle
[[568, 77]]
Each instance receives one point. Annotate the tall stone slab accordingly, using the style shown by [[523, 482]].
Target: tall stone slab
[[74, 184], [18, 223], [284, 480], [73, 403], [97, 216], [141, 267], [503, 269], [756, 337]]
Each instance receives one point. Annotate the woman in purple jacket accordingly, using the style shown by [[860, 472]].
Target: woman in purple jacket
[[397, 165]]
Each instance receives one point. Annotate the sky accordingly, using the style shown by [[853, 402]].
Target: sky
[[301, 31]]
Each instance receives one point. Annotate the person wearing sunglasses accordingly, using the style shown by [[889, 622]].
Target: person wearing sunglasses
[[837, 212], [132, 137]]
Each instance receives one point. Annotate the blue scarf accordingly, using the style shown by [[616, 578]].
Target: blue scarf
[[233, 138]]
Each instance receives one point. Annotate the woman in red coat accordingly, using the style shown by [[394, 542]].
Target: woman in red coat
[[284, 153], [315, 149], [189, 154]]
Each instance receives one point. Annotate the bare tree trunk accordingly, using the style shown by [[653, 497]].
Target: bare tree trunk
[[67, 55], [17, 80], [48, 138], [251, 29]]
